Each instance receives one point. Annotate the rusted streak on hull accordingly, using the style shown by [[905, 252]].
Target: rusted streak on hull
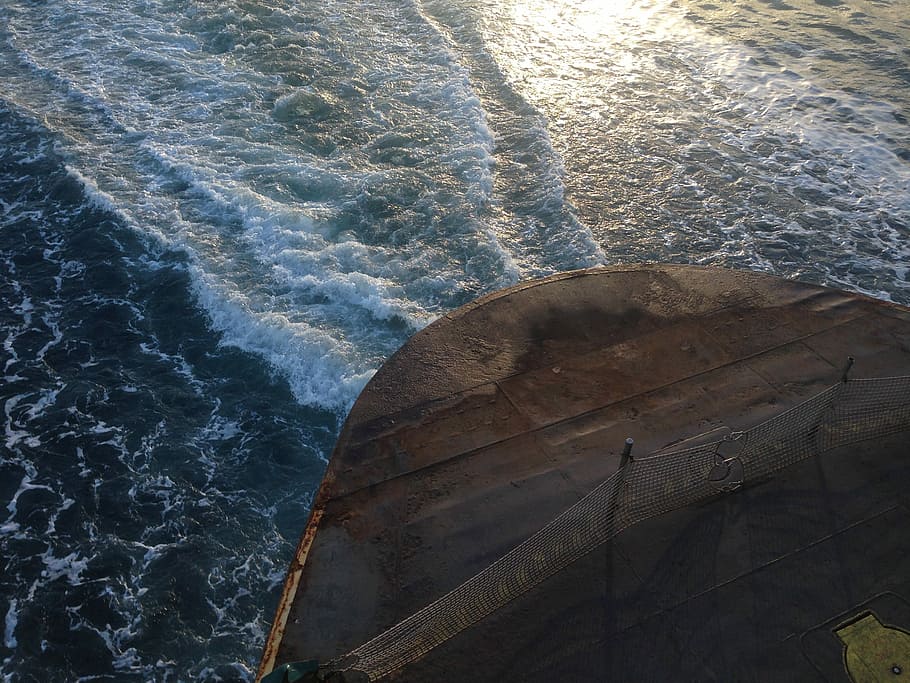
[[289, 592]]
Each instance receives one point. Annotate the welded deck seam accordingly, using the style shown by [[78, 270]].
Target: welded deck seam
[[534, 431]]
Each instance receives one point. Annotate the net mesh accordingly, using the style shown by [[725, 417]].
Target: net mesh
[[643, 488]]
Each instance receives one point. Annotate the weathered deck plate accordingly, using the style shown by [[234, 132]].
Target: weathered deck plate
[[497, 417]]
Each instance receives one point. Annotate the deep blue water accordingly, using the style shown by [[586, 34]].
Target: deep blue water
[[218, 218]]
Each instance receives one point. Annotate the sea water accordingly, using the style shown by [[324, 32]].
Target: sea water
[[217, 219]]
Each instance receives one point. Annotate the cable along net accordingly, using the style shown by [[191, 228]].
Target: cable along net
[[848, 412]]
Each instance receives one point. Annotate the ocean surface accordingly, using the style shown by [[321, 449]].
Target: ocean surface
[[218, 218]]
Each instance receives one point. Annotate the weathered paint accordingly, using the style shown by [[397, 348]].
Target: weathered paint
[[498, 416]]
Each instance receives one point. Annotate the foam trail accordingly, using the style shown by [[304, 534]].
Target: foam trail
[[533, 216], [289, 254], [682, 144]]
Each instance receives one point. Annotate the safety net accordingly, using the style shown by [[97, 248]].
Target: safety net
[[642, 488]]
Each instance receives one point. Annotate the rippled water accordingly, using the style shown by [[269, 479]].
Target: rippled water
[[218, 218]]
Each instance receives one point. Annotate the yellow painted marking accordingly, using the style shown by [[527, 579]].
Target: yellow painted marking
[[875, 653]]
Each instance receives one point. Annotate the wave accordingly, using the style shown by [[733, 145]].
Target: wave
[[684, 144], [319, 232]]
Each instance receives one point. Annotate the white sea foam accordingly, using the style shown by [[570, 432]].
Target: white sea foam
[[11, 621], [566, 241], [106, 201], [303, 102], [177, 362], [314, 361], [52, 521], [69, 567], [710, 152], [46, 398], [842, 133], [283, 241], [84, 469], [13, 430]]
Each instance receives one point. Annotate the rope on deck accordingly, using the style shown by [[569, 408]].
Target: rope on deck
[[848, 412]]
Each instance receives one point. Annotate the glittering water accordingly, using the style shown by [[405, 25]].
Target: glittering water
[[218, 218]]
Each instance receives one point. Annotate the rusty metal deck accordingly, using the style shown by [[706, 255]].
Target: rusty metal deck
[[497, 417]]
